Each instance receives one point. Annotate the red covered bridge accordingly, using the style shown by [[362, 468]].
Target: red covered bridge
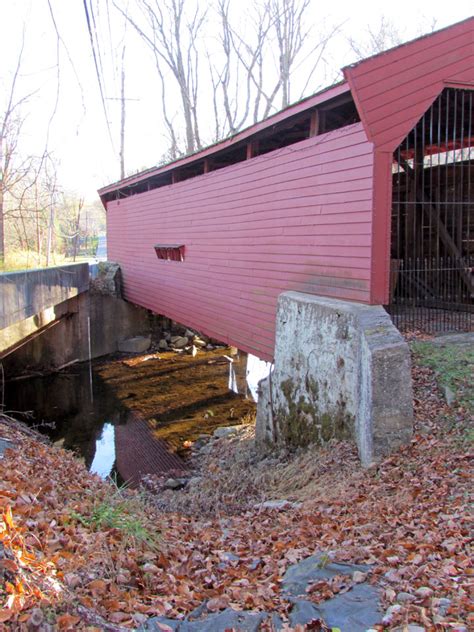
[[332, 196]]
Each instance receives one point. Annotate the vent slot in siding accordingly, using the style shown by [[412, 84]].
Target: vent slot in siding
[[170, 252]]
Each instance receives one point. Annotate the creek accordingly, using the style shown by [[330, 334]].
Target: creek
[[131, 416]]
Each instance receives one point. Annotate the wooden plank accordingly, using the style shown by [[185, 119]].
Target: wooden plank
[[334, 146], [314, 126], [252, 149], [297, 108], [427, 86], [415, 64], [366, 70]]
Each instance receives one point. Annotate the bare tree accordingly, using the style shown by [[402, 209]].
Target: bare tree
[[171, 33], [252, 46], [77, 232], [239, 77], [30, 208], [69, 223], [51, 193], [283, 26], [122, 116], [288, 17], [376, 39], [174, 151], [254, 66], [299, 45], [383, 35], [22, 177], [28, 183], [11, 171]]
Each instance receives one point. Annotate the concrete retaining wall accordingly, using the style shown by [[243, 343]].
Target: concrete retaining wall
[[111, 320], [30, 292], [342, 370], [114, 320], [101, 312]]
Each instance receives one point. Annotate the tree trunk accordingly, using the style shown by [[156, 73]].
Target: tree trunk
[[78, 231], [49, 243], [2, 230]]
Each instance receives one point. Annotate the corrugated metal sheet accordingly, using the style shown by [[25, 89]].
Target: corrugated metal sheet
[[393, 90], [297, 218]]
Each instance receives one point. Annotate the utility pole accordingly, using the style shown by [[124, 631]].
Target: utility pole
[[122, 100], [122, 118]]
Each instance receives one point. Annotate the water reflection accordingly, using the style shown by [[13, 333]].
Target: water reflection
[[232, 383], [112, 440], [256, 370], [123, 425], [104, 458]]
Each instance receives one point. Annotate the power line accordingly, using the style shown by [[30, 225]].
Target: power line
[[97, 45], [91, 37]]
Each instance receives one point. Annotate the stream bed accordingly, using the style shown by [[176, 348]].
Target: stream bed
[[131, 416]]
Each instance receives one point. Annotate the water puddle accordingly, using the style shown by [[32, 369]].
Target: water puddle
[[139, 415]]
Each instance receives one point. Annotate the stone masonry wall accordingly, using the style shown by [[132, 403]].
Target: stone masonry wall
[[341, 371]]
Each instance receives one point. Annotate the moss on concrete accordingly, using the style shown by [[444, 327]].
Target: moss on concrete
[[312, 387], [301, 422]]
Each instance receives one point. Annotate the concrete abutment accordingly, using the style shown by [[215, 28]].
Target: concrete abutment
[[341, 371]]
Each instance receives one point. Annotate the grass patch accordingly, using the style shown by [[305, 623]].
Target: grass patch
[[29, 259], [124, 511], [236, 475], [453, 366]]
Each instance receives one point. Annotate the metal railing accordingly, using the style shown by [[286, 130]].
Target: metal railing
[[432, 294]]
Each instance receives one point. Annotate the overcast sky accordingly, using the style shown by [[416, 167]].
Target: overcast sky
[[65, 109]]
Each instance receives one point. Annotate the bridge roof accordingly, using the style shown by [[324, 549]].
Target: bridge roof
[[391, 91], [324, 95]]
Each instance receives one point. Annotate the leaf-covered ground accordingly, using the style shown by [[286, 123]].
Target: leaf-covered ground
[[76, 554], [454, 367]]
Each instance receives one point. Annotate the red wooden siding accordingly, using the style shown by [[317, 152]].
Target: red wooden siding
[[394, 89], [298, 218]]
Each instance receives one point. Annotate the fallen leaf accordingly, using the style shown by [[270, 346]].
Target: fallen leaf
[[67, 621]]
